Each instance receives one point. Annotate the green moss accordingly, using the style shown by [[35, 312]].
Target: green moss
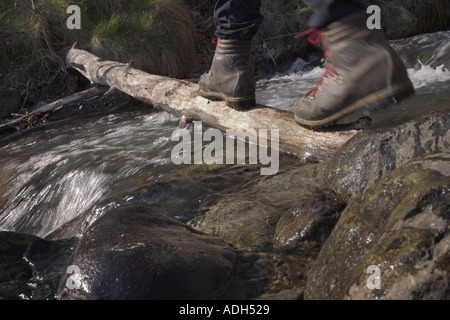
[[111, 27], [147, 31]]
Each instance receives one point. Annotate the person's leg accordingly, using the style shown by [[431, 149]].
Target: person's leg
[[328, 11], [363, 73], [231, 75], [237, 19]]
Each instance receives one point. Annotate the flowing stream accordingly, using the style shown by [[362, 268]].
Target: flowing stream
[[57, 179], [55, 174]]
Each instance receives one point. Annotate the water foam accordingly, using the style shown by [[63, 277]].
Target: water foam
[[426, 75]]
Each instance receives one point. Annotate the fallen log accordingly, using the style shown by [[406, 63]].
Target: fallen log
[[55, 105], [182, 97]]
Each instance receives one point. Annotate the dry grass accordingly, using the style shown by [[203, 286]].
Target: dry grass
[[158, 35], [160, 41], [27, 46]]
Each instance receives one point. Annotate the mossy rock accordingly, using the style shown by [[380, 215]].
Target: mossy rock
[[371, 154], [399, 225]]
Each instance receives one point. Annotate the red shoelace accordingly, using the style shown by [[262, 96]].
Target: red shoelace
[[315, 37], [214, 41]]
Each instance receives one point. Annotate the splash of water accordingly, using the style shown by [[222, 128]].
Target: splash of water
[[425, 75], [56, 175]]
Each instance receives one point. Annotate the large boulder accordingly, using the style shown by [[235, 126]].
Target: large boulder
[[371, 154], [135, 252], [243, 223], [396, 233], [311, 221]]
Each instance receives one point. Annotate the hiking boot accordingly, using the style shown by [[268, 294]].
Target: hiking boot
[[231, 75], [363, 75]]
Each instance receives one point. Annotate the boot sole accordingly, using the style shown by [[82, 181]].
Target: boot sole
[[235, 103], [362, 108]]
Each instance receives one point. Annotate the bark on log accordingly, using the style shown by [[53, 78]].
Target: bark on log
[[181, 97]]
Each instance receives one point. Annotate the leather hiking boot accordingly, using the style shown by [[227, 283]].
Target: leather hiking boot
[[231, 75], [363, 75]]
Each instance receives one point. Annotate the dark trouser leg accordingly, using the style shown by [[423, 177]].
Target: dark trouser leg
[[237, 19], [240, 19], [328, 11]]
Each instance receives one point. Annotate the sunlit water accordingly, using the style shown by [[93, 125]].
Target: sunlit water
[[59, 173], [51, 177]]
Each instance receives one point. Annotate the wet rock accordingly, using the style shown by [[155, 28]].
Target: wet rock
[[267, 275], [310, 221], [30, 267], [169, 196], [284, 189], [15, 271], [400, 227], [135, 252], [243, 223], [48, 259], [371, 154], [288, 294]]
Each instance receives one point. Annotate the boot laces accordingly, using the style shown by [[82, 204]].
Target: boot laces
[[315, 37]]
